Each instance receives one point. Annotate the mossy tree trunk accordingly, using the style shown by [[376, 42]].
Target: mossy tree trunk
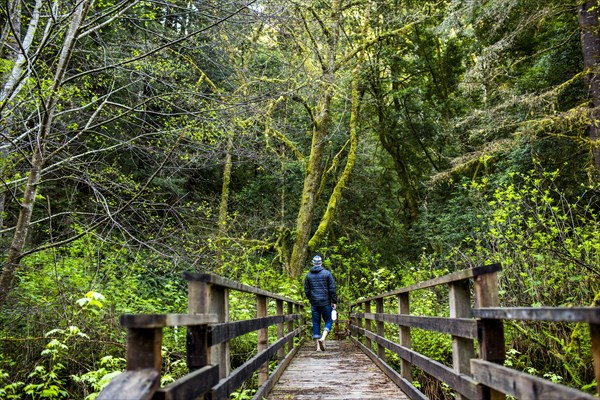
[[590, 42], [321, 121]]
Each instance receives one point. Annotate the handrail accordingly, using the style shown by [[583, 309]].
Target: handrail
[[208, 335], [472, 378]]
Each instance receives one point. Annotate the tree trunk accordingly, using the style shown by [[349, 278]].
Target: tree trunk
[[590, 43], [336, 196], [320, 130], [223, 209], [29, 192], [311, 186]]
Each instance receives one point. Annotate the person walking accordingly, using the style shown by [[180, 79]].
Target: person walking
[[320, 289]]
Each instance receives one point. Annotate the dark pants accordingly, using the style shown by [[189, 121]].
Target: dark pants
[[319, 312]]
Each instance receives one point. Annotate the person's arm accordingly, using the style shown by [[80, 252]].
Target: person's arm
[[332, 290]]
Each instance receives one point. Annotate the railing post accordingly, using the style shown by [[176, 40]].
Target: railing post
[[143, 349], [279, 312], [359, 324], [404, 333], [491, 332], [463, 349], [207, 298], [263, 338], [367, 324], [380, 328], [197, 336], [290, 326]]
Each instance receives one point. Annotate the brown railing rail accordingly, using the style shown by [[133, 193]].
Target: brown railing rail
[[207, 345], [472, 376]]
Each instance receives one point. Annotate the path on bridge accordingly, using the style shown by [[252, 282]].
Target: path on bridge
[[342, 371]]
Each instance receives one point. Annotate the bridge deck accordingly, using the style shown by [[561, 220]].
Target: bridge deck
[[341, 372]]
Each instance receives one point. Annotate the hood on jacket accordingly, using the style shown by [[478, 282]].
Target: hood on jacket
[[316, 268]]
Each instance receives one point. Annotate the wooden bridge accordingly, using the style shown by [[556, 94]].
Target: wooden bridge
[[354, 367]]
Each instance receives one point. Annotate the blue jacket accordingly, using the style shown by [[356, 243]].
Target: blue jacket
[[319, 287]]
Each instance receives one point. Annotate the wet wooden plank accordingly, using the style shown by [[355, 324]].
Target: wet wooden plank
[[342, 371]]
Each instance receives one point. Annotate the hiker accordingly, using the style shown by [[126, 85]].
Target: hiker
[[319, 287]]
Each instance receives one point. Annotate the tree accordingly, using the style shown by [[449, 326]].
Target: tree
[[98, 95], [590, 43]]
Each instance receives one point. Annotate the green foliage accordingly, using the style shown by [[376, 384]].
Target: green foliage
[[98, 379], [546, 239]]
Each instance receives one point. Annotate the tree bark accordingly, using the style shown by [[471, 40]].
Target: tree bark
[[320, 130], [590, 43]]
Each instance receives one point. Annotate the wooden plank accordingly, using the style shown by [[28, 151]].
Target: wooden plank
[[219, 304], [279, 312], [143, 348], [191, 385], [237, 377], [197, 349], [264, 390], [404, 335], [341, 372], [463, 327], [222, 332], [404, 384], [367, 322], [196, 344], [460, 307], [165, 320], [263, 338], [558, 314], [453, 277], [132, 385], [228, 283], [491, 332], [290, 325], [463, 384], [380, 327], [522, 385]]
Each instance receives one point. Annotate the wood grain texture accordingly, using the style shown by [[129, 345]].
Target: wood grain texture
[[521, 385], [342, 371]]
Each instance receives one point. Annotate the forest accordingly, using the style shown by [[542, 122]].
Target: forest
[[400, 140]]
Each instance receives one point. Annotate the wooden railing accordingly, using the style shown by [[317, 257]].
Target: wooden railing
[[472, 377], [207, 345]]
